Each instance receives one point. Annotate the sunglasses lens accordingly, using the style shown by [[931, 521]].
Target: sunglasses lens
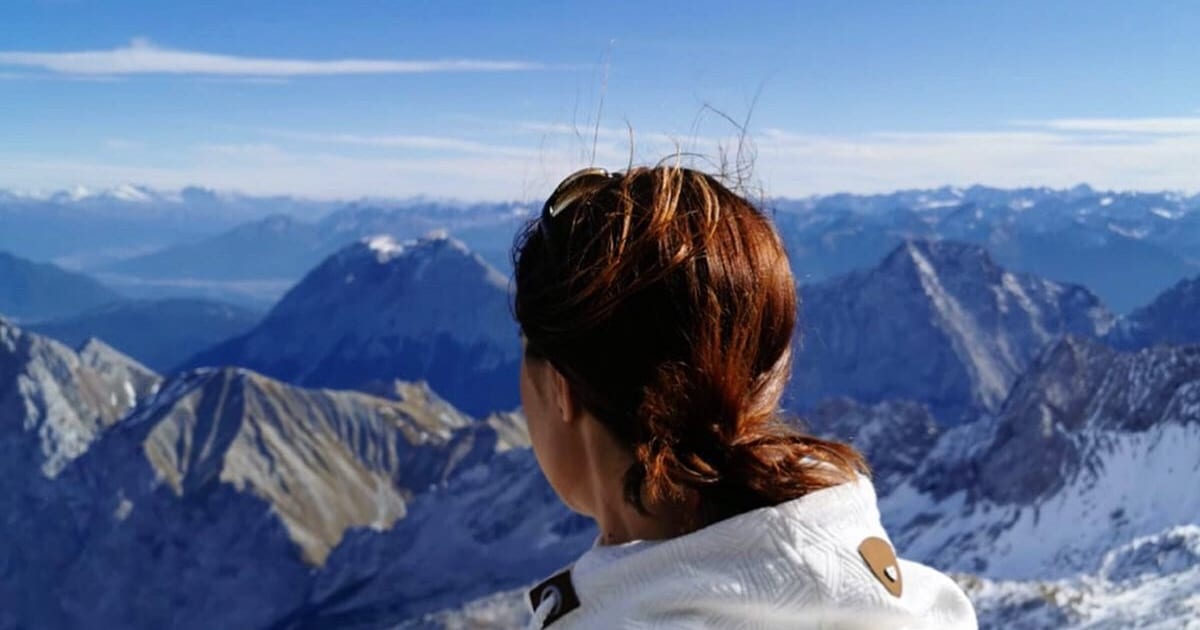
[[572, 189]]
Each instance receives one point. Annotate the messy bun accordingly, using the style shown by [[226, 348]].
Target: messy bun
[[667, 302]]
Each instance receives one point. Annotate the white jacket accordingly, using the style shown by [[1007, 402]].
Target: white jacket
[[801, 564]]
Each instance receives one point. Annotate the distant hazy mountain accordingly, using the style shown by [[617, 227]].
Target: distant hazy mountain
[[936, 322], [428, 310], [275, 247], [159, 333], [85, 228], [1172, 318], [1125, 247], [32, 291], [262, 258]]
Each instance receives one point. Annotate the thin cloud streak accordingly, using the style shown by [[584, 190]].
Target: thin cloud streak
[[143, 57], [407, 141], [1163, 126]]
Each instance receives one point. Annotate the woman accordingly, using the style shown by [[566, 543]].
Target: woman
[[657, 310]]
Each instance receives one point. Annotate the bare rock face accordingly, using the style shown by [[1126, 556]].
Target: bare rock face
[[427, 310], [938, 323], [54, 403], [322, 461], [1092, 449], [132, 381]]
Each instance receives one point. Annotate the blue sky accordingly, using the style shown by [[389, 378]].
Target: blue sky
[[499, 100]]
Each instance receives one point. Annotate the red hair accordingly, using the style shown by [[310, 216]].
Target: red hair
[[667, 302]]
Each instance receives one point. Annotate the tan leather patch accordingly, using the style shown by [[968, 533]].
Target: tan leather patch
[[561, 587], [884, 565]]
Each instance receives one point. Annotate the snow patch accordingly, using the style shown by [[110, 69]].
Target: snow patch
[[385, 246], [1133, 233]]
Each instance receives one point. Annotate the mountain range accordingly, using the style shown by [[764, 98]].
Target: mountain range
[[1020, 434], [262, 258], [937, 322], [217, 496], [1126, 247], [83, 228]]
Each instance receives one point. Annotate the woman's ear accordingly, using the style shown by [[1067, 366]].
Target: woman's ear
[[562, 394]]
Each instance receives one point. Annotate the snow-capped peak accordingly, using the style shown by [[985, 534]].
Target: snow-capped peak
[[78, 193], [129, 192], [385, 246]]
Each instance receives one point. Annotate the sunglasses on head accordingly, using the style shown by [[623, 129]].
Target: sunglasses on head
[[574, 187]]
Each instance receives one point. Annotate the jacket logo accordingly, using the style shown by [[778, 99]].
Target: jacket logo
[[882, 562], [556, 592]]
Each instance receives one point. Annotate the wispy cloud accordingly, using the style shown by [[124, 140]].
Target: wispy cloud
[[1160, 126], [143, 57], [408, 141]]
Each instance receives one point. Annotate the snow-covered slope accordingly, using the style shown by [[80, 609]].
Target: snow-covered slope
[[1092, 449], [1152, 582], [937, 322], [428, 309]]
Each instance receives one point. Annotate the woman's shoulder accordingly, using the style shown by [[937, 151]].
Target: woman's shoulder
[[815, 557]]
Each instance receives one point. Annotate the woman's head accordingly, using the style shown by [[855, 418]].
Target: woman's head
[[660, 305]]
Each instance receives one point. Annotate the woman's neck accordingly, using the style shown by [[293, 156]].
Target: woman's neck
[[619, 521]]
